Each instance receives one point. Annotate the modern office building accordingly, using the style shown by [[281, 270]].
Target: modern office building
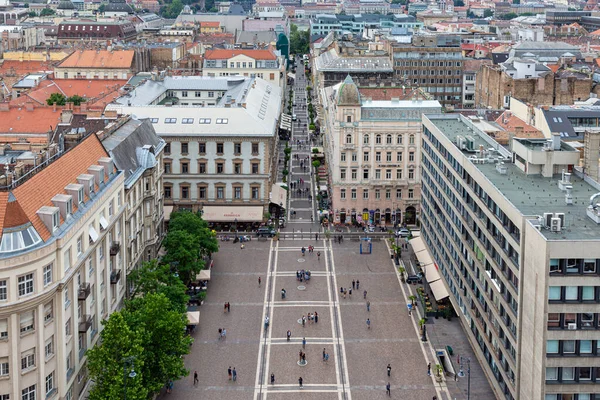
[[62, 270], [218, 159], [516, 236], [373, 149], [322, 24]]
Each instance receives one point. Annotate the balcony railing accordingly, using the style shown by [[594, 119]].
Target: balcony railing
[[83, 292], [115, 247], [85, 323], [115, 276]]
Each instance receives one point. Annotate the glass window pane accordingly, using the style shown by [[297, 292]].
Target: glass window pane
[[568, 346], [554, 293], [570, 318], [587, 293], [551, 373], [553, 320], [585, 347], [552, 346], [571, 293], [585, 374], [568, 373]]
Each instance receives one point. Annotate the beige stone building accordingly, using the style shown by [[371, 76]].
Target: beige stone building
[[515, 236], [373, 155], [263, 64], [100, 64], [62, 270]]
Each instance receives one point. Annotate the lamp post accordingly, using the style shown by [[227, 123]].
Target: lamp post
[[461, 373], [127, 363]]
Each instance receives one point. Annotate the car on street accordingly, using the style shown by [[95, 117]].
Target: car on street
[[414, 279], [294, 117], [265, 231], [402, 232]]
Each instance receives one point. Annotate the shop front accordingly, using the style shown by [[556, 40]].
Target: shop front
[[233, 218]]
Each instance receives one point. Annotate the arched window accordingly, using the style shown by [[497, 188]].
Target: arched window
[[388, 139], [366, 139], [348, 139], [399, 139], [378, 139], [411, 139]]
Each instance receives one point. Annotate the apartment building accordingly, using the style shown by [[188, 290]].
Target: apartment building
[[433, 63], [263, 64], [61, 268], [218, 159], [515, 236], [373, 149], [96, 64]]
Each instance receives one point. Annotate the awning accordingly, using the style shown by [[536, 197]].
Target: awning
[[103, 222], [193, 317], [231, 214], [168, 210], [93, 234], [291, 75], [424, 258], [204, 275], [286, 122], [417, 244], [278, 195], [431, 273], [439, 290]]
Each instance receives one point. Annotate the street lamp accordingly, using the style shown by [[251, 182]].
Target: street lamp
[[127, 364], [461, 373]]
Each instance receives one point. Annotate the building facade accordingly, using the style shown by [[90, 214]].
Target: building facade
[[263, 64], [515, 237], [100, 64], [71, 32], [219, 159], [373, 153], [61, 270]]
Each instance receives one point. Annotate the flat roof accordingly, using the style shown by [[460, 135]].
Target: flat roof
[[531, 195]]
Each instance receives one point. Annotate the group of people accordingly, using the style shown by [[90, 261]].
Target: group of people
[[232, 374], [314, 317], [311, 249], [222, 333], [303, 275]]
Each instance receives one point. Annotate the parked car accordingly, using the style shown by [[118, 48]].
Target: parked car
[[265, 231], [414, 279], [294, 117], [282, 222], [402, 232]]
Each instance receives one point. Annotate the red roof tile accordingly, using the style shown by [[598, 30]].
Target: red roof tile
[[94, 89], [99, 59], [3, 203], [39, 190], [221, 54], [24, 67], [19, 120]]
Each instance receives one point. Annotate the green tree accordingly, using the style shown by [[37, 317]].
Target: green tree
[[299, 40], [508, 16], [101, 8], [163, 338], [154, 277], [173, 9], [47, 12], [106, 363], [76, 99], [194, 224], [56, 98], [487, 13], [32, 14], [183, 254]]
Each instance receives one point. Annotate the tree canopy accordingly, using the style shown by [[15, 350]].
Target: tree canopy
[[299, 40], [46, 12], [172, 10], [60, 99], [154, 277]]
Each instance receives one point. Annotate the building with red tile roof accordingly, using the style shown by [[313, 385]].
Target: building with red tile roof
[[27, 121], [514, 126], [96, 64]]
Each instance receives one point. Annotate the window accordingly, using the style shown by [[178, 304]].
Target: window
[[587, 320], [388, 139], [201, 167], [348, 139], [551, 373], [48, 312], [67, 259], [28, 393], [4, 368], [552, 347], [220, 167], [568, 346], [388, 156], [411, 193], [589, 266], [49, 347], [343, 194], [202, 148], [56, 217], [411, 173], [204, 120], [366, 194], [79, 246], [211, 94], [571, 292], [237, 192], [167, 167], [365, 138], [411, 156], [353, 194], [255, 190], [365, 174], [585, 347], [202, 192], [554, 293], [185, 192], [28, 360], [568, 373], [585, 374], [237, 168], [366, 156], [185, 167], [388, 174], [26, 285], [220, 192], [398, 194], [49, 383], [553, 320], [354, 157], [377, 174], [399, 139], [388, 194], [255, 167], [377, 139], [343, 157], [588, 293], [222, 120], [170, 120], [3, 290], [399, 174], [167, 190], [411, 139], [219, 148], [377, 194], [184, 93], [378, 156], [187, 121], [68, 328], [237, 148], [354, 174], [168, 148], [67, 300], [184, 148], [255, 149]]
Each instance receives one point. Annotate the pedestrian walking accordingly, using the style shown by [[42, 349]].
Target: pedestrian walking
[[368, 323], [324, 354], [229, 372], [345, 292], [389, 370], [272, 378], [365, 294], [326, 357], [429, 369], [303, 321], [300, 381], [341, 290], [303, 250], [195, 377], [234, 374], [316, 236], [289, 335], [357, 284], [350, 292], [319, 257], [353, 283], [224, 334], [368, 306], [228, 307], [220, 333], [388, 389], [316, 317], [225, 308], [259, 281], [303, 342]]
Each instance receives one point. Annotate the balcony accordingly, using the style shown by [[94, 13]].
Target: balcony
[[83, 292], [85, 323], [115, 276], [115, 247]]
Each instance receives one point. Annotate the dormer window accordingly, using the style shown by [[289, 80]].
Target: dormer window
[[55, 220], [69, 206], [80, 196], [91, 186]]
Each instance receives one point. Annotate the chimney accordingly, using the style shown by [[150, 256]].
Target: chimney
[[29, 106], [66, 116]]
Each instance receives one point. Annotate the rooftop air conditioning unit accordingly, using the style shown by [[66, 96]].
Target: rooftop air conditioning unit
[[547, 219], [572, 326], [555, 225]]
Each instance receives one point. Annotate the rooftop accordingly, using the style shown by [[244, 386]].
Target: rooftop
[[332, 61], [220, 54], [99, 59], [532, 195]]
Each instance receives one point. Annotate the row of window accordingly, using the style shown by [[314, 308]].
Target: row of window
[[575, 266], [219, 192], [25, 283], [219, 147], [219, 167], [573, 347], [184, 93], [377, 174], [365, 194], [572, 396], [585, 320], [566, 375], [388, 156], [427, 63], [573, 293], [188, 121], [389, 138]]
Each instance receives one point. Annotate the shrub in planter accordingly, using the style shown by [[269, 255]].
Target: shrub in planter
[[285, 172], [312, 127], [315, 150]]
